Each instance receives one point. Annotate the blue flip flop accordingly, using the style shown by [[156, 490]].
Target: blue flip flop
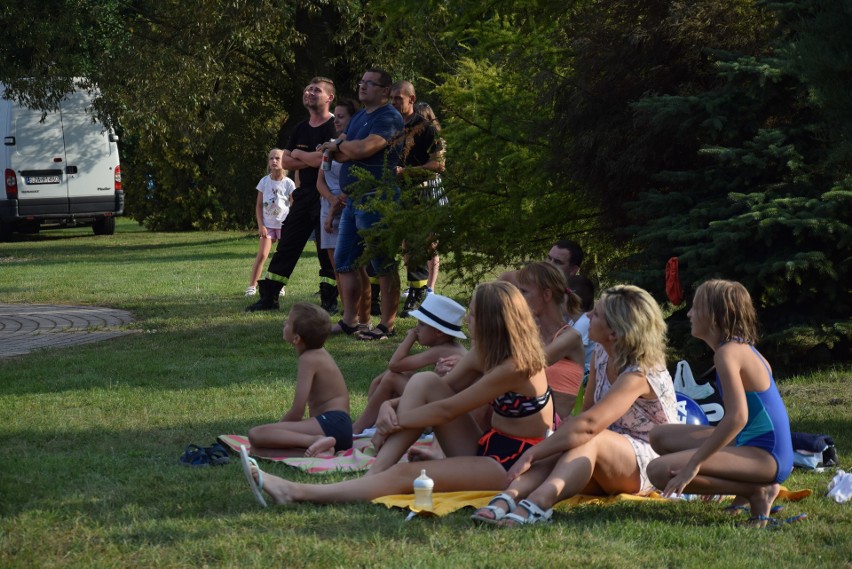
[[217, 454], [256, 487], [195, 456]]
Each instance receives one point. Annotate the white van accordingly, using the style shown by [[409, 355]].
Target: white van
[[62, 171]]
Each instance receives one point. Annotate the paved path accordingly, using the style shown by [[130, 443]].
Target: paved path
[[28, 327]]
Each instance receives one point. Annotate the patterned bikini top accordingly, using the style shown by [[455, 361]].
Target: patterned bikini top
[[515, 405]]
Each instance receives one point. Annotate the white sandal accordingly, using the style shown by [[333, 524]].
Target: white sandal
[[535, 515], [256, 487], [499, 513]]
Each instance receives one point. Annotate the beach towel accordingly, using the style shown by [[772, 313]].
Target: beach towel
[[357, 459], [444, 503]]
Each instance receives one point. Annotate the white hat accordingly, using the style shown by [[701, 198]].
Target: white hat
[[442, 313]]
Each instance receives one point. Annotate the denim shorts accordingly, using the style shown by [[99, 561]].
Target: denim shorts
[[350, 244]]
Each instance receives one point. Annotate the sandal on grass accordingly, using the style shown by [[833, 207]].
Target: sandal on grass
[[345, 328], [194, 456], [497, 513], [217, 454], [772, 523], [737, 508], [256, 487], [380, 332], [535, 515]]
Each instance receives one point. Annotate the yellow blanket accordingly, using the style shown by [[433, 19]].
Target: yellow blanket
[[447, 502]]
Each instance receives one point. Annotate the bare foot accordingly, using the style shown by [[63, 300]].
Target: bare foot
[[323, 447], [761, 500], [418, 454], [281, 491], [739, 504]]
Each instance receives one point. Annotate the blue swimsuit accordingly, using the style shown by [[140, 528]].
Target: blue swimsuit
[[768, 426]]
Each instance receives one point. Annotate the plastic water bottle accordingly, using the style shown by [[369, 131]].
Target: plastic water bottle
[[326, 158], [423, 491]]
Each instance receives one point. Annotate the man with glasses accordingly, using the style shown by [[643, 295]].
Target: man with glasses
[[302, 157], [371, 143]]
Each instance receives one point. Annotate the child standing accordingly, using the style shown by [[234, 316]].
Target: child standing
[[274, 198], [439, 324], [750, 452], [319, 386]]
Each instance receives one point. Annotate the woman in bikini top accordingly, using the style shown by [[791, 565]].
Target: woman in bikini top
[[506, 363]]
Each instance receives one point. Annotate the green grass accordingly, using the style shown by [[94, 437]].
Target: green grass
[[92, 434]]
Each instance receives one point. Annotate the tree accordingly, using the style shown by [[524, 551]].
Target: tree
[[767, 201], [494, 68]]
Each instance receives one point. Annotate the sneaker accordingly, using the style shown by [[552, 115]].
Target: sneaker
[[405, 293], [283, 291], [251, 291], [429, 291]]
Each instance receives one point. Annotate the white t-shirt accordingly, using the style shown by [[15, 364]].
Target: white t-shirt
[[581, 325], [276, 200]]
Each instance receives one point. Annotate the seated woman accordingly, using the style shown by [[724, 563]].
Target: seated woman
[[605, 449], [504, 367], [750, 452], [543, 287]]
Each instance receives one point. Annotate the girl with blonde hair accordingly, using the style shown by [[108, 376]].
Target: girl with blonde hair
[[504, 368], [604, 450], [750, 452]]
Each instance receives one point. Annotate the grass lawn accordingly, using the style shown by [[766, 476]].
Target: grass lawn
[[92, 435]]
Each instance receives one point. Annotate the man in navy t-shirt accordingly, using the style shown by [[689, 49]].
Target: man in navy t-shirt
[[372, 143]]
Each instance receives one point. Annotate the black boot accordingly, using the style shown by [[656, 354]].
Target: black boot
[[413, 300], [328, 297], [375, 300], [269, 290]]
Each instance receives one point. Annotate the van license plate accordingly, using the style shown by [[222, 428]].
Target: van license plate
[[35, 180]]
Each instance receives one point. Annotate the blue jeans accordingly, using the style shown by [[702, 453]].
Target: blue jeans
[[350, 244]]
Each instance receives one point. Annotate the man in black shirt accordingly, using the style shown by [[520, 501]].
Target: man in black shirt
[[302, 157]]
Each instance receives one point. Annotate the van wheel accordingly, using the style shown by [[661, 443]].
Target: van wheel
[[6, 230], [104, 226]]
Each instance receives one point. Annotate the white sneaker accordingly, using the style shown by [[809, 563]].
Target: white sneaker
[[283, 291], [251, 291]]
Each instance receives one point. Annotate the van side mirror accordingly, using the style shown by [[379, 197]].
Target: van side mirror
[[9, 141], [113, 137]]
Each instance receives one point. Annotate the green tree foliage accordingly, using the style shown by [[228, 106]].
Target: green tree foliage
[[199, 91], [494, 68], [210, 86], [767, 200]]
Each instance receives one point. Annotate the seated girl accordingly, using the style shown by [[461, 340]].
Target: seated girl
[[750, 452], [543, 287], [604, 450], [439, 324]]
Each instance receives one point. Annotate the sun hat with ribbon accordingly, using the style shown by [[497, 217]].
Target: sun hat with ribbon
[[442, 313]]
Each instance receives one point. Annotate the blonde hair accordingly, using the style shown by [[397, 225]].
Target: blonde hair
[[730, 308], [311, 323], [640, 331], [546, 277], [504, 328], [268, 154]]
